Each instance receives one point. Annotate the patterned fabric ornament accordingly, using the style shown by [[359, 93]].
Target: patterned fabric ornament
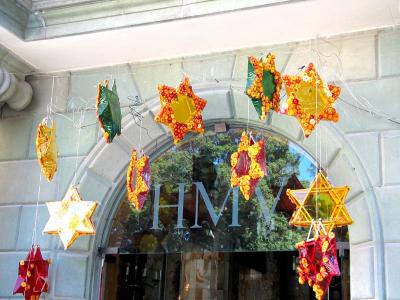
[[138, 180], [310, 99], [32, 275], [321, 196], [318, 263], [181, 110], [46, 147], [70, 218], [248, 165], [108, 111], [264, 85]]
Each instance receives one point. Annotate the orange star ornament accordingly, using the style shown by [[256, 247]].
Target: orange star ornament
[[310, 99], [248, 165], [138, 180], [321, 197], [181, 110]]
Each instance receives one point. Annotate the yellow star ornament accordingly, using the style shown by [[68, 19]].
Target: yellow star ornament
[[181, 110], [321, 200], [310, 99], [248, 165], [70, 217]]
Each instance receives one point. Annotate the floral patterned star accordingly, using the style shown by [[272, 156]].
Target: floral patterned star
[[138, 180], [32, 275], [46, 147], [248, 165], [264, 84], [322, 201], [181, 109], [108, 111], [318, 263], [310, 99], [70, 217]]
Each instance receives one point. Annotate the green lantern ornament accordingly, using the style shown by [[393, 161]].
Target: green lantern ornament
[[108, 111]]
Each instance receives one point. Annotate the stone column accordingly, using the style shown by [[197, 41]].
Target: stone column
[[16, 93]]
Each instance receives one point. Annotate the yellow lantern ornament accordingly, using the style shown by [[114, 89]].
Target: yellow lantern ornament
[[310, 99], [46, 147]]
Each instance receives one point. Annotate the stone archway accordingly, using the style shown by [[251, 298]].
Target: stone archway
[[101, 178]]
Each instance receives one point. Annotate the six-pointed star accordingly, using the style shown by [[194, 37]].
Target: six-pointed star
[[70, 217], [181, 110], [328, 199]]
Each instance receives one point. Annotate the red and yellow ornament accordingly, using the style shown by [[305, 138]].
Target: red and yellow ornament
[[248, 165], [138, 180], [181, 110], [264, 84], [310, 99]]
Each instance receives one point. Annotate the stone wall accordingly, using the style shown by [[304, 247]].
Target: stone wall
[[363, 151]]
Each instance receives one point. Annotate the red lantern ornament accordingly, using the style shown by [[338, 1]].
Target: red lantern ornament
[[32, 275], [181, 110], [318, 263], [138, 180]]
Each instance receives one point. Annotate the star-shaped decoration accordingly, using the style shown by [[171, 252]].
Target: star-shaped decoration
[[328, 199], [318, 263], [70, 217], [46, 147], [108, 111], [248, 165], [138, 180], [181, 110], [32, 275], [264, 84], [310, 99]]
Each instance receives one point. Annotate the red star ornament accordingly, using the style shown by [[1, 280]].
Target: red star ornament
[[181, 110], [318, 263], [248, 165], [32, 275], [310, 99]]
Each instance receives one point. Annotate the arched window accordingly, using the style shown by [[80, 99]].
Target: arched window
[[196, 238]]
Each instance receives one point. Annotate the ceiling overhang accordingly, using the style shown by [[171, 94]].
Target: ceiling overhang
[[290, 21]]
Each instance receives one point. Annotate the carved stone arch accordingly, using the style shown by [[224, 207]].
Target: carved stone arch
[[102, 176]]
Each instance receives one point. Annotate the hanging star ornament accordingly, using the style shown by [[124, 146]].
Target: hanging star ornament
[[108, 111], [138, 180], [318, 263], [248, 165], [264, 85], [70, 217], [181, 110], [46, 147], [310, 99], [32, 275], [320, 201]]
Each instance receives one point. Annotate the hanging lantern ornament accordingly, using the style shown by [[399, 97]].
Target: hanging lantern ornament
[[318, 263], [320, 201], [248, 165], [32, 275], [181, 110], [70, 218], [46, 147], [264, 85], [138, 180], [310, 99], [108, 111]]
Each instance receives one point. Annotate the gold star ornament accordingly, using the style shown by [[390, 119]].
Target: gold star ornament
[[248, 165], [46, 147], [181, 110], [321, 200], [70, 217], [310, 99]]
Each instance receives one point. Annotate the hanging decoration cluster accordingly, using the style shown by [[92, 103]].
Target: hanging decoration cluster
[[32, 275], [309, 99]]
